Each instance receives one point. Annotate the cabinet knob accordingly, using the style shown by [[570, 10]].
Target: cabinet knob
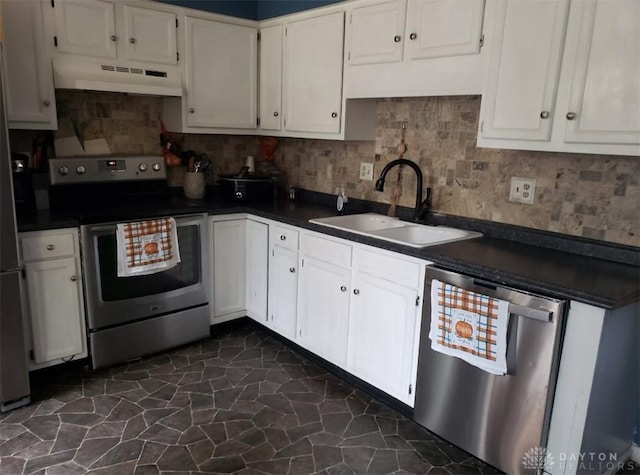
[[113, 37], [74, 278], [356, 291], [334, 114], [132, 40], [396, 39], [283, 237], [275, 114], [50, 247], [191, 110], [343, 288], [544, 114], [413, 36], [292, 269], [46, 103], [571, 115]]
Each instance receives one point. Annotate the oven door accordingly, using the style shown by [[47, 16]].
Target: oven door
[[113, 300]]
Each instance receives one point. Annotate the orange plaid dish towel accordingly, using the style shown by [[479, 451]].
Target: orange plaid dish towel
[[469, 326], [147, 247]]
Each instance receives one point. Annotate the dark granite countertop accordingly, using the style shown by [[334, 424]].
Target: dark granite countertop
[[551, 272]]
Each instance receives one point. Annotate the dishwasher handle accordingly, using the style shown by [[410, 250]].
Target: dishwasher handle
[[528, 312]]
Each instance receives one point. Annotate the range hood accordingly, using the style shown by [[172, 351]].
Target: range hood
[[111, 76]]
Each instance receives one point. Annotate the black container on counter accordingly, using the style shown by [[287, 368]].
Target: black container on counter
[[249, 188]]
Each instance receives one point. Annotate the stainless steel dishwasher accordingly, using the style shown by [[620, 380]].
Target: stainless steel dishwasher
[[496, 418]]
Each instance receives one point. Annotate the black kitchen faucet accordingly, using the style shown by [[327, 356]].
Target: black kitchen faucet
[[422, 207]]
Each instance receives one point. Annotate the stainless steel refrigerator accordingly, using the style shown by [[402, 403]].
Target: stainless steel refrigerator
[[14, 375]]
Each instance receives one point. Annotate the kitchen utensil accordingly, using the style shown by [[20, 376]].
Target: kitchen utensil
[[249, 187]]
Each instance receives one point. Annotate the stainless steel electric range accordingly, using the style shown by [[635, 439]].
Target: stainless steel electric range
[[129, 317]]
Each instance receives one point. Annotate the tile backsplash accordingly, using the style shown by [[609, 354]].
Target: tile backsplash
[[594, 196]]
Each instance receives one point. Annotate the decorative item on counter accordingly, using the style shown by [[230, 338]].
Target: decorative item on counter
[[268, 147], [341, 200], [250, 164], [170, 148]]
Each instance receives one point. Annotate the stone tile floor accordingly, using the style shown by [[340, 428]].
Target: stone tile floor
[[241, 402]]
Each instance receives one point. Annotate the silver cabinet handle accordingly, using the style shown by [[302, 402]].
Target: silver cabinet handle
[[74, 278], [334, 114], [114, 38], [191, 110], [283, 237], [292, 269], [50, 247], [544, 114], [343, 288], [571, 115], [397, 38], [356, 292], [275, 114], [413, 36], [528, 312], [132, 40], [46, 103]]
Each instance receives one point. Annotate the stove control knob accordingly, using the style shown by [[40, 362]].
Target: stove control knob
[[142, 167], [81, 170], [156, 167], [63, 171]]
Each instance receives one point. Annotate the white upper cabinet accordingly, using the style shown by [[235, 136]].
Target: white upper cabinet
[[149, 35], [271, 78], [405, 48], [133, 31], [312, 86], [523, 69], [563, 77], [86, 27], [221, 74], [443, 28], [604, 100], [377, 33], [29, 92]]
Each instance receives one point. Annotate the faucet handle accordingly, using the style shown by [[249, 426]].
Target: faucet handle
[[427, 200]]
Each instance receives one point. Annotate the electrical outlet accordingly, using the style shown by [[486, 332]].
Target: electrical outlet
[[366, 171], [522, 190]]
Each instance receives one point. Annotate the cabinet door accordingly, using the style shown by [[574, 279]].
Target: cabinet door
[[271, 77], [221, 74], [257, 269], [604, 104], [443, 28], [229, 266], [86, 27], [523, 69], [382, 331], [376, 33], [27, 69], [323, 317], [55, 308], [312, 85], [149, 35], [283, 291]]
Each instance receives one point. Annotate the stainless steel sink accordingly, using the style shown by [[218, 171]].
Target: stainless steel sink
[[392, 229]]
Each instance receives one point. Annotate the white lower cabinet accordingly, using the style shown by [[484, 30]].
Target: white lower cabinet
[[323, 308], [283, 279], [54, 296], [257, 269], [229, 268], [383, 325]]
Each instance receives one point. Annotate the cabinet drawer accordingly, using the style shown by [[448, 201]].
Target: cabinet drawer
[[387, 266], [326, 249], [285, 237], [43, 247]]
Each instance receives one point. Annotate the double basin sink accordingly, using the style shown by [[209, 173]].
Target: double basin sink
[[393, 230]]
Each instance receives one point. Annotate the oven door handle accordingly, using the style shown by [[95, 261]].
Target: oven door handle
[[528, 312]]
